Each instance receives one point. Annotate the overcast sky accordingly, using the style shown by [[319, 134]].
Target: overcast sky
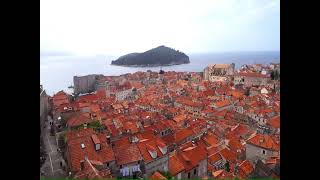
[[88, 27]]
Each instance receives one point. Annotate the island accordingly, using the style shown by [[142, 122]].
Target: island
[[159, 56]]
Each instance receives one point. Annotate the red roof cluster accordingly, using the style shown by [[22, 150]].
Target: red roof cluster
[[80, 144], [264, 141]]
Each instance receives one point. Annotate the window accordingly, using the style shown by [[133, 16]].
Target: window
[[120, 166], [195, 171], [107, 164], [263, 152], [189, 175]]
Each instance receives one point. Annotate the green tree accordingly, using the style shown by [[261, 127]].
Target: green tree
[[227, 167]]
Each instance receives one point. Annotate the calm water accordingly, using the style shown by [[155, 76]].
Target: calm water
[[56, 72]]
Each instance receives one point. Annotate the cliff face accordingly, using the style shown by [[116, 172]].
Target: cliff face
[[158, 56]]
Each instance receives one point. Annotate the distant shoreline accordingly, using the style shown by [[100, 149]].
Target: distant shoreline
[[149, 65]]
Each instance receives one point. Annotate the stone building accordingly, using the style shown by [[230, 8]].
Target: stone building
[[122, 95], [128, 161], [86, 144], [261, 147], [218, 72], [85, 84], [189, 162], [44, 105], [250, 79], [155, 155]]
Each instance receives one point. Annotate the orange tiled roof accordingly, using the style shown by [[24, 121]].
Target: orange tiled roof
[[78, 133], [235, 144], [126, 154], [221, 113], [95, 139], [191, 156], [264, 141], [76, 153], [237, 94], [228, 155], [95, 108], [222, 103], [90, 172], [245, 169], [150, 145], [60, 98], [183, 134], [179, 118], [252, 74], [131, 126], [274, 122], [78, 120], [88, 98], [137, 85], [175, 166], [214, 158], [156, 175], [210, 140]]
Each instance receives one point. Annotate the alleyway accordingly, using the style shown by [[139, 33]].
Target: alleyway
[[51, 167]]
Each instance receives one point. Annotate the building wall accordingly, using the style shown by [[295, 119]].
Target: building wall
[[238, 80], [160, 164], [197, 172], [84, 84], [203, 168], [255, 81], [212, 74], [254, 153], [121, 95], [217, 78], [178, 176], [44, 107]]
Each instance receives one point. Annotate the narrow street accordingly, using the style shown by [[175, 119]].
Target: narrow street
[[51, 167]]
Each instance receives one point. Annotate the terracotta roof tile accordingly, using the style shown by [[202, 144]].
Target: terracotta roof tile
[[274, 122], [222, 103], [95, 139], [214, 158], [251, 74], [150, 145], [264, 141], [175, 165], [78, 119], [156, 175], [131, 126], [180, 118], [76, 153], [126, 154], [183, 134], [191, 156], [245, 169], [228, 155]]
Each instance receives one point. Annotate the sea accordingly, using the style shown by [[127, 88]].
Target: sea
[[56, 72]]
